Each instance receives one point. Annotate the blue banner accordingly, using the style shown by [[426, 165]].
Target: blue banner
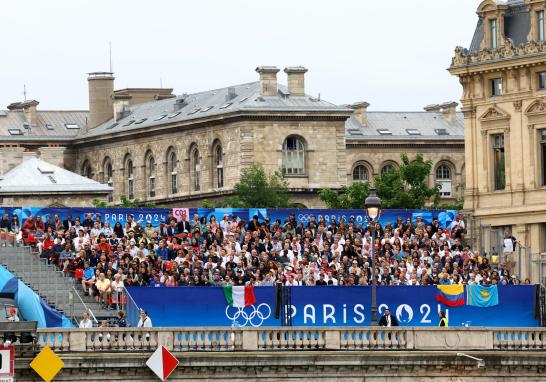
[[112, 215], [331, 306], [445, 217], [157, 215]]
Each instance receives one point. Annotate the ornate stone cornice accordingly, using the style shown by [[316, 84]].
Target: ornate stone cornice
[[507, 51]]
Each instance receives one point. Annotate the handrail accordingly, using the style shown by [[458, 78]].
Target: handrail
[[87, 309], [292, 339]]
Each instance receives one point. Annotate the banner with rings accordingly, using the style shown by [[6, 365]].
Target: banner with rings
[[331, 306]]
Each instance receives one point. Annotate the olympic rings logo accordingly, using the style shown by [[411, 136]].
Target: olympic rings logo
[[304, 217], [243, 317]]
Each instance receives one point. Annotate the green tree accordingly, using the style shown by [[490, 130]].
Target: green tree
[[256, 189], [403, 187], [347, 198]]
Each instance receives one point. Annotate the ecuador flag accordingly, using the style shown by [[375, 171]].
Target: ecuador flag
[[450, 295]]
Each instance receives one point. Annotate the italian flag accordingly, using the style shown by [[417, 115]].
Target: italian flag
[[239, 296]]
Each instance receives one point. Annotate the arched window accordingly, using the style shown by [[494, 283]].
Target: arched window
[[293, 156], [196, 169], [387, 168], [443, 178], [360, 173], [109, 177], [219, 165], [86, 170], [151, 176], [173, 171], [130, 180]]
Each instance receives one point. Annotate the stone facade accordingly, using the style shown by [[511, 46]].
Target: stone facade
[[205, 139], [505, 121]]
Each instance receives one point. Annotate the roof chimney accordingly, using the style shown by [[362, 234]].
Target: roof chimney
[[101, 88], [268, 80], [448, 110], [433, 108], [28, 108], [296, 80], [361, 112]]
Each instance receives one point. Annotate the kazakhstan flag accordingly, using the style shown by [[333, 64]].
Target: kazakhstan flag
[[482, 296]]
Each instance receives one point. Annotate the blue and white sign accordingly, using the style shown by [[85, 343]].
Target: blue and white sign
[[331, 306]]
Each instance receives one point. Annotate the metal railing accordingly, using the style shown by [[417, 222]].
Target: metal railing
[[292, 339], [73, 304], [130, 307]]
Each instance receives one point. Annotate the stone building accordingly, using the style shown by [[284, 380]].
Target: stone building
[[152, 145], [503, 75]]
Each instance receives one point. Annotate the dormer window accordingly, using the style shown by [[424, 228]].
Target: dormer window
[[540, 26], [493, 33]]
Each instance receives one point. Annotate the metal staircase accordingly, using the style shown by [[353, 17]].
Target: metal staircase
[[60, 291]]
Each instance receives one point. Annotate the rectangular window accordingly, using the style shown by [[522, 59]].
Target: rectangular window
[[499, 170], [496, 87], [220, 175], [543, 154], [542, 80], [493, 34], [540, 26]]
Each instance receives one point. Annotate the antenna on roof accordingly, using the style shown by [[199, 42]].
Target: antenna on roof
[[25, 92], [110, 54]]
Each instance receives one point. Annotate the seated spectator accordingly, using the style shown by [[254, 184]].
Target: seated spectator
[[88, 279]]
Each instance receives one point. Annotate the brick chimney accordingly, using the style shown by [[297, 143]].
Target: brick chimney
[[296, 80], [28, 108], [361, 112], [268, 80], [101, 88]]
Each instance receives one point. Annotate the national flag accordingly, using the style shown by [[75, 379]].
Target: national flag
[[482, 296], [239, 296], [450, 295]]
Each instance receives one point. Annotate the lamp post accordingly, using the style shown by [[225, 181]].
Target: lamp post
[[373, 212]]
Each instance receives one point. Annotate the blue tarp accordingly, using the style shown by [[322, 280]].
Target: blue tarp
[[30, 305]]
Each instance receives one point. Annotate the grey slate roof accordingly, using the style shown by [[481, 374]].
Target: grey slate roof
[[398, 123], [246, 98], [517, 24], [50, 124], [34, 175]]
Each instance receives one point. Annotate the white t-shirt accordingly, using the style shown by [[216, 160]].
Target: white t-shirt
[[85, 324], [508, 245], [144, 323]]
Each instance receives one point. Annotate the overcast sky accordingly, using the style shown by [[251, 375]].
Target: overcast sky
[[392, 54]]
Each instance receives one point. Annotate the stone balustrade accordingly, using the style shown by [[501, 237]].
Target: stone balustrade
[[290, 339]]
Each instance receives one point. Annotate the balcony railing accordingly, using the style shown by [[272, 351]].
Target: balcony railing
[[291, 339]]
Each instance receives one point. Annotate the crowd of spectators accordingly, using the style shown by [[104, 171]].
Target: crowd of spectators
[[198, 251]]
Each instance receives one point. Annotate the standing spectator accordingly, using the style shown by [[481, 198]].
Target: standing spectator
[[144, 321], [388, 320], [86, 323], [122, 322]]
